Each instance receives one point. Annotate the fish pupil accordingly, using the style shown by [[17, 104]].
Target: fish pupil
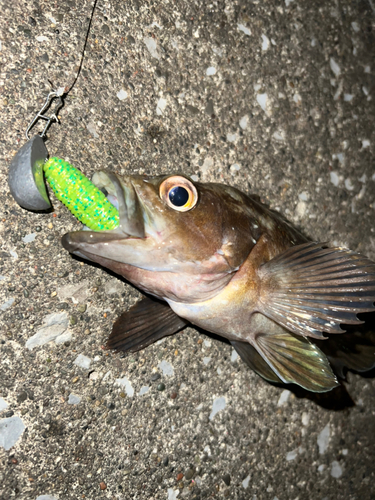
[[178, 196]]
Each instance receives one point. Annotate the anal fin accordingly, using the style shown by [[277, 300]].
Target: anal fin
[[296, 360], [143, 324], [254, 360]]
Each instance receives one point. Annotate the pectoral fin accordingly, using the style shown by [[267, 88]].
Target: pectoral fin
[[254, 360], [143, 324], [310, 289], [296, 360]]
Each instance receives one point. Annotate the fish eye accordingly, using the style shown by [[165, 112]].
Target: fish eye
[[178, 196], [178, 193]]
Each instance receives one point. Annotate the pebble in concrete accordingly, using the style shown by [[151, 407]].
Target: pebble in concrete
[[160, 107], [122, 94], [334, 178], [336, 469], [172, 494], [244, 29], [29, 238], [126, 384], [291, 455], [11, 430], [82, 361], [232, 137], [144, 390], [245, 482], [284, 396], [244, 122], [113, 286], [152, 47], [55, 325], [265, 43], [234, 355], [7, 304], [334, 67], [323, 439], [166, 368], [207, 164], [218, 405], [262, 100], [77, 292], [73, 399]]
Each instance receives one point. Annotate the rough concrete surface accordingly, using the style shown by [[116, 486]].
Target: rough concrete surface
[[273, 97]]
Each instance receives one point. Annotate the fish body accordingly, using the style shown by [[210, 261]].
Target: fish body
[[222, 261]]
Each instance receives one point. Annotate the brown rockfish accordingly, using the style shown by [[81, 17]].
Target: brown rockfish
[[222, 261]]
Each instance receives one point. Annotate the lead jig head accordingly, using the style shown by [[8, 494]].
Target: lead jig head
[[25, 179]]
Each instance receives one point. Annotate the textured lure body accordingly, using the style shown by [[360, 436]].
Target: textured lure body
[[84, 200], [222, 261]]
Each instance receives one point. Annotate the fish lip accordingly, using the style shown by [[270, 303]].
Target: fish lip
[[131, 215], [70, 243]]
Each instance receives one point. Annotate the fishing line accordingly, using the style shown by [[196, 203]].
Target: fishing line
[[61, 92]]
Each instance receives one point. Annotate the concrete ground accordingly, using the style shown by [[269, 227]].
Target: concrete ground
[[273, 97]]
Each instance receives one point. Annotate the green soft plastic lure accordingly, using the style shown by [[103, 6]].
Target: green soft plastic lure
[[84, 200]]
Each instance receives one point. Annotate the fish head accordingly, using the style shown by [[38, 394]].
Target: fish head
[[168, 224]]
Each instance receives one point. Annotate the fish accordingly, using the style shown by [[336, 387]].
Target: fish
[[211, 256]]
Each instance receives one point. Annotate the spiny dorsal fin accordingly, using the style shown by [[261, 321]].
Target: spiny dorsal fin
[[143, 324], [310, 289]]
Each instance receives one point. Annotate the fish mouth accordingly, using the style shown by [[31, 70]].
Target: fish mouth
[[131, 217]]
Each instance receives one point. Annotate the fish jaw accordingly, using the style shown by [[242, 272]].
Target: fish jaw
[[119, 241]]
